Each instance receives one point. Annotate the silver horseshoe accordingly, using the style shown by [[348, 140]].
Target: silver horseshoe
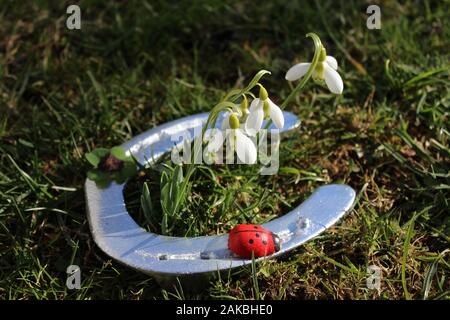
[[194, 260]]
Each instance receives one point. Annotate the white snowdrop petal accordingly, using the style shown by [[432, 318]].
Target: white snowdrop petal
[[297, 71], [256, 103], [254, 121], [276, 115], [226, 121], [332, 62], [215, 140], [333, 80], [245, 148]]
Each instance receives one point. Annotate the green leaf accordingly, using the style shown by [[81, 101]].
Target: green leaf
[[164, 179], [428, 279], [92, 158], [165, 206], [147, 206], [424, 75], [165, 197], [119, 153], [100, 92], [289, 170], [100, 152], [103, 183], [96, 175], [146, 200], [101, 179]]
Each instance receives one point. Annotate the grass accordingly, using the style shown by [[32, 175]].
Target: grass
[[136, 65]]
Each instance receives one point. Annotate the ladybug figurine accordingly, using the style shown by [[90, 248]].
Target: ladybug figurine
[[247, 238]]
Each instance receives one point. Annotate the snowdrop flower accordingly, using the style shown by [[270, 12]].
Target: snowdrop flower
[[237, 140], [324, 71], [213, 152], [263, 108]]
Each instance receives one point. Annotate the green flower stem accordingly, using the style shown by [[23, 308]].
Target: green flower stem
[[309, 73]]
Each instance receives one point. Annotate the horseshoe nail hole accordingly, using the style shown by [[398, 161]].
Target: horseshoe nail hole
[[163, 257], [302, 225], [205, 255]]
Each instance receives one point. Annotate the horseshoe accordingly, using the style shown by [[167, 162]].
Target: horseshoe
[[195, 260]]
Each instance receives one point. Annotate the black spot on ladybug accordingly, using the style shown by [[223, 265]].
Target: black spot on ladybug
[[250, 241], [264, 242], [257, 235]]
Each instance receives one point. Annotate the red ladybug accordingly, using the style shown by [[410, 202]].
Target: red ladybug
[[247, 238]]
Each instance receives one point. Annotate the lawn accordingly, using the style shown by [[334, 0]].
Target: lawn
[[137, 64]]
